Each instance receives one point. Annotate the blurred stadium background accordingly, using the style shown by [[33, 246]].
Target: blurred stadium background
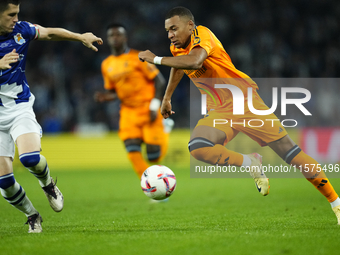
[[265, 39]]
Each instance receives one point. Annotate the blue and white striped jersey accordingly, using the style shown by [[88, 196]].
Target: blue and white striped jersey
[[13, 84]]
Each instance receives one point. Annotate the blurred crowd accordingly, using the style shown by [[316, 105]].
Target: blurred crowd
[[286, 38]]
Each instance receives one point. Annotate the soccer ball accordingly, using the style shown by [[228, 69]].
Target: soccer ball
[[158, 182]]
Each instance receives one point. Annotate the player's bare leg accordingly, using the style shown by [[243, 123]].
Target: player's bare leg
[[206, 144], [212, 134], [5, 166], [293, 155], [29, 155]]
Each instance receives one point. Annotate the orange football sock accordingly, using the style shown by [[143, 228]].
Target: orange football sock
[[138, 162], [165, 145], [218, 154], [318, 178], [164, 148]]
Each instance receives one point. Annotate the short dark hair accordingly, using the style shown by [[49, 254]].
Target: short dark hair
[[115, 25], [4, 4], [181, 12]]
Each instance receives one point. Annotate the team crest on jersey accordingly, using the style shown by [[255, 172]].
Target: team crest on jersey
[[19, 39], [197, 40]]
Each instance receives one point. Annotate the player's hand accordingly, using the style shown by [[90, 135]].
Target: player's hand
[[166, 109], [88, 39], [8, 59], [147, 56]]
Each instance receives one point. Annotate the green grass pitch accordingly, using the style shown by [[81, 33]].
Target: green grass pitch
[[106, 212]]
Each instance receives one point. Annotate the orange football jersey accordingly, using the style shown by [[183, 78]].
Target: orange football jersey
[[132, 79], [217, 69]]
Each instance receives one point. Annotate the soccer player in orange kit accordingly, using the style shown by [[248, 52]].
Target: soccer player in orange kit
[[199, 54], [139, 86]]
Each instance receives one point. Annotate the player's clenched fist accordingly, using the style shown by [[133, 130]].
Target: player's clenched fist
[[147, 56], [166, 109]]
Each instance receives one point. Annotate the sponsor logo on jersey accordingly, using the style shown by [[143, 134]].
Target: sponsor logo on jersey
[[197, 40], [5, 44], [19, 39]]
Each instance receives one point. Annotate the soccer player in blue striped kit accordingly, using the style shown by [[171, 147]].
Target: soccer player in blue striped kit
[[17, 119]]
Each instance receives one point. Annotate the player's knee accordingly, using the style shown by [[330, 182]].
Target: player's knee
[[153, 152], [7, 181], [30, 159], [199, 148]]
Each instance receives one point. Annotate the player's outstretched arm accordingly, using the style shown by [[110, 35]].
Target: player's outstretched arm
[[61, 34], [174, 78], [105, 96], [8, 59], [194, 60]]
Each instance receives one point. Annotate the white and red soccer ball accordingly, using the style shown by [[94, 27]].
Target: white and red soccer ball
[[158, 182]]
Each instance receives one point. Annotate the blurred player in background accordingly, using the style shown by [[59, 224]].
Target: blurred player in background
[[198, 53], [139, 87], [17, 119]]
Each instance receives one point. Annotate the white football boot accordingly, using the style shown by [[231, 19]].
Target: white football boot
[[34, 223], [54, 196], [261, 181], [336, 210]]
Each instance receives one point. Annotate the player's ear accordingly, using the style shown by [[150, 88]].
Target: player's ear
[[191, 25]]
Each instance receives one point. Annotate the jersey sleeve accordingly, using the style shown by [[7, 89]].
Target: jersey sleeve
[[202, 37], [149, 70], [108, 84], [29, 30]]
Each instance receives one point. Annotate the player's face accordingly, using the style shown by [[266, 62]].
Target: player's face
[[8, 19], [116, 37], [179, 31]]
